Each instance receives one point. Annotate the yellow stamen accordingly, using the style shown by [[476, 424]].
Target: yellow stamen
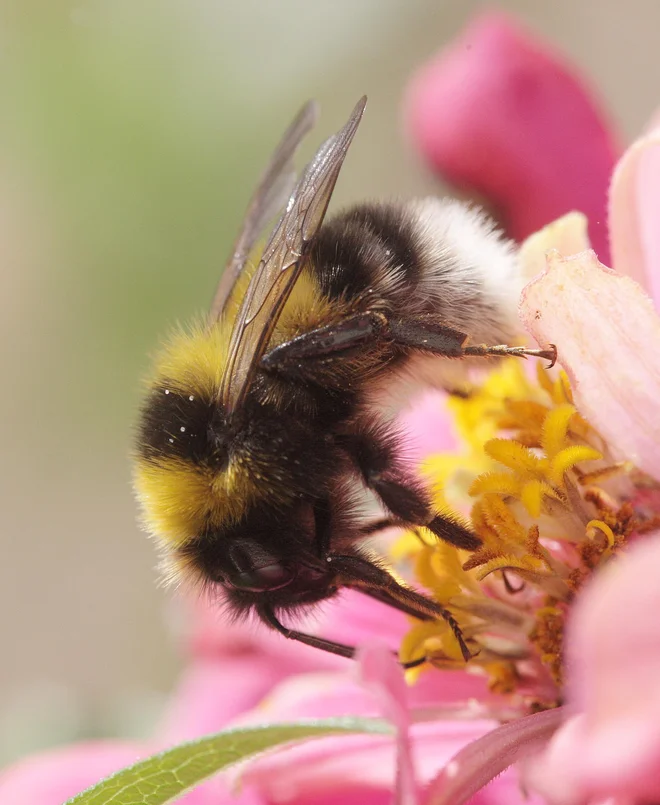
[[544, 515]]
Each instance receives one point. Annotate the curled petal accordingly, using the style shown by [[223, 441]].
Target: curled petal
[[568, 235], [608, 341], [482, 760], [383, 677], [613, 653], [500, 113], [633, 213]]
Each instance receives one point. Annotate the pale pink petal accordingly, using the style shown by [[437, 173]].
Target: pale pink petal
[[383, 677], [211, 693], [344, 765], [498, 112], [474, 766], [53, 777], [613, 656], [348, 764], [608, 340], [568, 235], [429, 428], [355, 618], [207, 631], [634, 210]]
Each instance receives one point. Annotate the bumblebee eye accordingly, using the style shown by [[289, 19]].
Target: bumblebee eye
[[260, 579]]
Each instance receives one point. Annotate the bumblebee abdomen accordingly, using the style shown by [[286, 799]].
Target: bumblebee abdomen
[[427, 256]]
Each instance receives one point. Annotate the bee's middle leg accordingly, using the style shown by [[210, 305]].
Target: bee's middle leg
[[374, 448]]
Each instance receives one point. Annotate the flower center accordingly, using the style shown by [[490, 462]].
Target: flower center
[[550, 505]]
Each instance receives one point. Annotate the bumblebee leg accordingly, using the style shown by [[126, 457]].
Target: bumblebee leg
[[270, 619], [428, 334], [363, 575], [374, 447], [297, 357], [407, 609]]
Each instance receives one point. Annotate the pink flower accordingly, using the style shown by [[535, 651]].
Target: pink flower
[[610, 748], [500, 114], [608, 337]]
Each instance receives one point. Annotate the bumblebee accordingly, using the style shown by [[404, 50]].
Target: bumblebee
[[263, 422]]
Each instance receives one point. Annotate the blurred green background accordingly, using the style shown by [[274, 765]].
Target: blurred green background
[[131, 135]]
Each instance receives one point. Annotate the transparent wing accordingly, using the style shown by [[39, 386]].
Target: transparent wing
[[271, 194], [282, 261]]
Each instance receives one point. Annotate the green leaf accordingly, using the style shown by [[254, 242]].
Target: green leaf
[[166, 776]]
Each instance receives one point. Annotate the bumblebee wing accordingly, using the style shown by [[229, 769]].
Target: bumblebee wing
[[271, 194], [282, 262]]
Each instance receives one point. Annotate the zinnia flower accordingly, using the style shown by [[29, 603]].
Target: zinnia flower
[[577, 483]]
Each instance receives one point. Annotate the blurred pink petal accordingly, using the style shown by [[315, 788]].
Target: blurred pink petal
[[349, 764], [209, 632], [383, 677], [484, 759], [429, 428], [363, 765], [613, 648], [608, 341], [53, 777], [500, 113], [634, 206], [211, 693]]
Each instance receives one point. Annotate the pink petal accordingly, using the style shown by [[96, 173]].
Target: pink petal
[[211, 693], [500, 113], [483, 759], [353, 767], [608, 341], [348, 766], [53, 777], [429, 427], [568, 235], [634, 210], [383, 677], [208, 631], [613, 749]]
